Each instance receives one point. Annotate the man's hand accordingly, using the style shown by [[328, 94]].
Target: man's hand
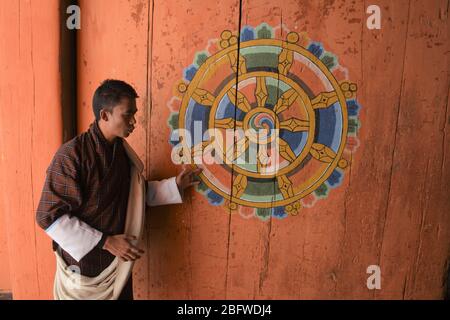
[[121, 246], [186, 178]]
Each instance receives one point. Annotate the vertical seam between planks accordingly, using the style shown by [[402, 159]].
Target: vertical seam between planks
[[234, 145], [444, 129], [147, 122], [32, 144]]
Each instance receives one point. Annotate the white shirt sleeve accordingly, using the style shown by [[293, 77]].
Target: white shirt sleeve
[[74, 236], [163, 192]]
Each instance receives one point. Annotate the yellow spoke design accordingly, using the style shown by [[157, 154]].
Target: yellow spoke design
[[227, 123], [233, 61], [287, 190], [294, 125], [325, 154], [239, 185], [262, 158], [203, 97], [285, 150], [261, 91], [324, 100], [285, 60], [238, 149], [285, 101], [241, 101], [285, 186]]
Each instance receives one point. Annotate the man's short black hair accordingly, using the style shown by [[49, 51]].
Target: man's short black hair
[[109, 94]]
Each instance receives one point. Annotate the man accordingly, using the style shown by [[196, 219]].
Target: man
[[93, 201]]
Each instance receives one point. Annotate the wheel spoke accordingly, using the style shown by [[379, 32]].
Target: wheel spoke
[[203, 97], [285, 101], [261, 91], [239, 185], [285, 150], [285, 186], [237, 149], [324, 100], [240, 101], [285, 60], [233, 62], [294, 125], [325, 154]]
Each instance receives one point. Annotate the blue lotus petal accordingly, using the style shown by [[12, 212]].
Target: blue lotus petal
[[353, 108], [316, 49], [335, 179], [189, 72], [279, 212], [247, 34], [214, 198]]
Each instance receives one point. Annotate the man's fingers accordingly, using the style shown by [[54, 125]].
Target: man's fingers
[[127, 257], [184, 171], [195, 172], [131, 256], [194, 183], [137, 250], [198, 170], [130, 237], [134, 257]]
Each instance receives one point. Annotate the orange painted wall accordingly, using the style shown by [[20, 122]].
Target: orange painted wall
[[5, 279], [30, 133], [392, 208]]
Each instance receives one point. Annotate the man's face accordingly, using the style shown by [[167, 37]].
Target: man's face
[[121, 122]]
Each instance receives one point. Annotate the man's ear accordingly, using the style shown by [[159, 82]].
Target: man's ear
[[104, 115]]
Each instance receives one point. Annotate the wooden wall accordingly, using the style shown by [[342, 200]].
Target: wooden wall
[[30, 133], [392, 209]]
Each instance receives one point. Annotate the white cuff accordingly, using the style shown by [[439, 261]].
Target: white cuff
[[163, 192], [74, 236]]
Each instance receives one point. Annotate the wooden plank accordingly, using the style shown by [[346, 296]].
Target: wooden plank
[[250, 246], [30, 135], [188, 243], [381, 58], [296, 257], [113, 44], [413, 258], [5, 278]]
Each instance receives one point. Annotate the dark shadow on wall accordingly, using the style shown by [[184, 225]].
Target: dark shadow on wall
[[447, 280], [68, 72]]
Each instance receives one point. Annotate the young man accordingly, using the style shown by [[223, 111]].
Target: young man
[[94, 199]]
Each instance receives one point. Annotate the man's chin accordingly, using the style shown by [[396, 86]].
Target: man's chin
[[127, 134]]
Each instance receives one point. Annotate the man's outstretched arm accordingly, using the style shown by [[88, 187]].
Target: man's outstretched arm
[[170, 191], [163, 192]]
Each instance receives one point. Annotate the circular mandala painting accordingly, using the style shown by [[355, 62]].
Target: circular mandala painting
[[290, 108]]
